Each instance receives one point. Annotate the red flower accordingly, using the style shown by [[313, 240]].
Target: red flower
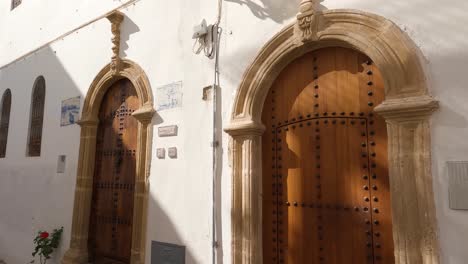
[[44, 235]]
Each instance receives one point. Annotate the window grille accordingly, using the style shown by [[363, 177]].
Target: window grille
[[4, 121], [15, 3], [37, 117]]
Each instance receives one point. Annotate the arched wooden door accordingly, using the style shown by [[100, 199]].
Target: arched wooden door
[[326, 196], [110, 232]]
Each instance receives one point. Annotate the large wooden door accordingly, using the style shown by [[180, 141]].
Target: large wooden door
[[326, 196], [110, 233]]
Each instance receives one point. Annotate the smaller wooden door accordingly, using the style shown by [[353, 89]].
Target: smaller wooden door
[[110, 232]]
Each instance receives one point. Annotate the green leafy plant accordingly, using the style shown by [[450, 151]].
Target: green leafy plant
[[45, 244]]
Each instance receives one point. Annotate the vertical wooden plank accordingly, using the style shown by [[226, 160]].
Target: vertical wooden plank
[[382, 219], [351, 92], [360, 190], [292, 151], [285, 225], [343, 234], [327, 82], [270, 203]]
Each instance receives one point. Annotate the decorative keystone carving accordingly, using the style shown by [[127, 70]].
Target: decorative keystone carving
[[306, 28], [116, 19]]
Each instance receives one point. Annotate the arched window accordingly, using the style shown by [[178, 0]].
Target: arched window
[[15, 3], [5, 106], [37, 117]]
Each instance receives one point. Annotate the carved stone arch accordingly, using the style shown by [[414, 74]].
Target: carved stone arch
[[78, 252], [407, 109], [106, 77]]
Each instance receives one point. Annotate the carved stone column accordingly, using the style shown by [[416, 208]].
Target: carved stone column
[[413, 206], [247, 193], [144, 115], [78, 252], [116, 19]]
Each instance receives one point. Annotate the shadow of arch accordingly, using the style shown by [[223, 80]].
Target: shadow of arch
[[297, 92], [276, 10]]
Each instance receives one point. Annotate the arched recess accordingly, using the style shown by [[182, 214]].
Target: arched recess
[[78, 252], [407, 109], [36, 118], [5, 107]]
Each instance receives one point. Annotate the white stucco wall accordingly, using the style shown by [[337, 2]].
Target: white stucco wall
[[44, 20], [157, 36]]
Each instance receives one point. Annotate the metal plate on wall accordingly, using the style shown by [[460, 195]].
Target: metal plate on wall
[[168, 131], [165, 253], [458, 184]]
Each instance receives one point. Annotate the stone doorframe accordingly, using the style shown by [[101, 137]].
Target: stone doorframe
[[78, 252], [407, 110]]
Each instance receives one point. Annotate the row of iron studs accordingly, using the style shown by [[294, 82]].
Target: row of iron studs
[[117, 165], [366, 161], [324, 115], [375, 221], [276, 221], [320, 228]]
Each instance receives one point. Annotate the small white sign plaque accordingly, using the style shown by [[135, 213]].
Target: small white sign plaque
[[169, 96], [61, 163], [167, 131]]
